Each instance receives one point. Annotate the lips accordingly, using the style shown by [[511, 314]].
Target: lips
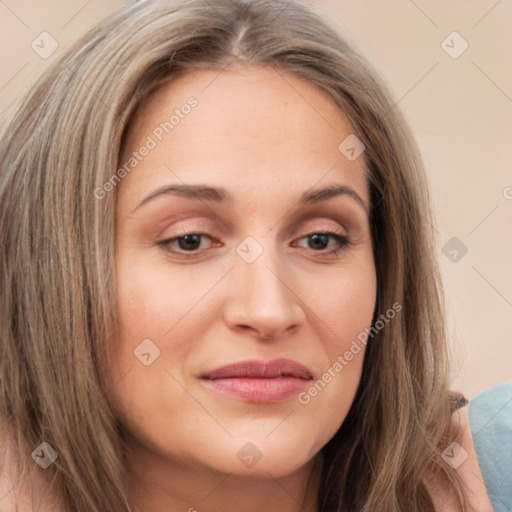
[[261, 382], [260, 370]]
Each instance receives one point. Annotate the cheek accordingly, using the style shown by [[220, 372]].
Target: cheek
[[152, 303], [145, 307], [151, 299], [344, 308], [346, 303], [159, 303]]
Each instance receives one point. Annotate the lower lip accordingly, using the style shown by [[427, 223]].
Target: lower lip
[[259, 390]]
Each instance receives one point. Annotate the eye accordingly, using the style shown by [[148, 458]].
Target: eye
[[320, 240], [191, 242]]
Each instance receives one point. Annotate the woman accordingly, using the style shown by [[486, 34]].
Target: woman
[[176, 337]]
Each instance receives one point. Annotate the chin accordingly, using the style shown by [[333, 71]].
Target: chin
[[260, 456]]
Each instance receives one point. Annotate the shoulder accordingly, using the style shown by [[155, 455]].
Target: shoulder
[[26, 494], [462, 458], [469, 468], [490, 420], [13, 497], [23, 493], [484, 455]]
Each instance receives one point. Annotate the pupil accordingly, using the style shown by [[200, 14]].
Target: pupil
[[189, 240], [324, 238]]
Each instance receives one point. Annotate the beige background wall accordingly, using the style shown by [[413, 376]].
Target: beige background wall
[[460, 107]]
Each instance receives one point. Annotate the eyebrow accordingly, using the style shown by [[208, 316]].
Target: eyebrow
[[222, 196]]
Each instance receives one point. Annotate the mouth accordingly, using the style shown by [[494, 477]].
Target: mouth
[[259, 382]]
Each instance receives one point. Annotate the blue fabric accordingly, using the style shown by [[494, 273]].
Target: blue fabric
[[490, 421]]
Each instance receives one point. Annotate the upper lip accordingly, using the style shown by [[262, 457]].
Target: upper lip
[[260, 370]]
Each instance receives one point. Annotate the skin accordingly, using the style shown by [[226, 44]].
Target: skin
[[267, 137], [470, 473], [15, 495], [183, 438]]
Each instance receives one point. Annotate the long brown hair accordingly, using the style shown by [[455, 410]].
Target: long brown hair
[[57, 271]]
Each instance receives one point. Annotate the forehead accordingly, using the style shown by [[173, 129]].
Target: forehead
[[251, 127]]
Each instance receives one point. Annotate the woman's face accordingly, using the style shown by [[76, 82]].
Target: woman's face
[[238, 348]]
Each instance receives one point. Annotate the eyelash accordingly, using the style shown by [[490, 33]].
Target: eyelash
[[340, 239]]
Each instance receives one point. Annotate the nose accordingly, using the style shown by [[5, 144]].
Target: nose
[[264, 298]]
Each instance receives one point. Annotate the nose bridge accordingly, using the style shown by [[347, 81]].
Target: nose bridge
[[259, 266], [263, 298]]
